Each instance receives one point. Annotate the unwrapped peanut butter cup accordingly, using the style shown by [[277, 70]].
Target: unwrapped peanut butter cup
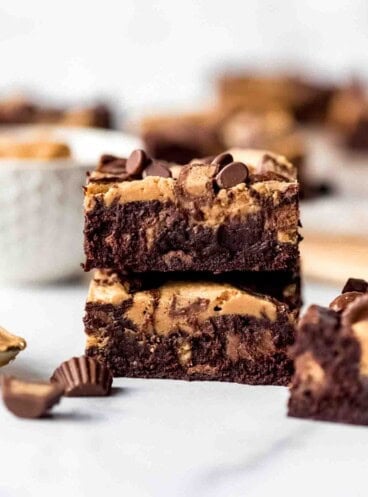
[[29, 399], [10, 346], [83, 377]]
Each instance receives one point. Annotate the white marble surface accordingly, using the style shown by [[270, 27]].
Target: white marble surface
[[162, 438]]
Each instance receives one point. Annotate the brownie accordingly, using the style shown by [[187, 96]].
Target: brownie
[[331, 359], [24, 111], [238, 213], [181, 138], [198, 328], [305, 99]]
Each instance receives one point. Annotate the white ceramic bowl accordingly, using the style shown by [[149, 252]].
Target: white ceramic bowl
[[41, 206]]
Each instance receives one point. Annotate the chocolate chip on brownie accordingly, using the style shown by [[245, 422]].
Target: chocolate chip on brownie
[[157, 168], [232, 174], [223, 159], [136, 162]]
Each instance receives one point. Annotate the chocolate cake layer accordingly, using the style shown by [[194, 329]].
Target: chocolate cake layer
[[331, 360], [191, 221], [192, 330]]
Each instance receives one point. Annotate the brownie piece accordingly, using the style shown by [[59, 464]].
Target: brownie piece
[[180, 138], [194, 329], [331, 360], [306, 100], [237, 213], [24, 111], [183, 137]]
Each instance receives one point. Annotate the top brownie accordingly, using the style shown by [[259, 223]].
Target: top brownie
[[234, 212]]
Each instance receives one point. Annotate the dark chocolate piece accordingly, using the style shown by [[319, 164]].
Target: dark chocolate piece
[[355, 285], [83, 377], [232, 174], [29, 400]]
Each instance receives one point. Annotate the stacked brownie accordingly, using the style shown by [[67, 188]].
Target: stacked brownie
[[197, 267]]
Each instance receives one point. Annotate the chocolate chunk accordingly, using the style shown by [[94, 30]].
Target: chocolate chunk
[[223, 159], [111, 164], [157, 168], [136, 162], [83, 377], [355, 285], [232, 174], [340, 303], [27, 399]]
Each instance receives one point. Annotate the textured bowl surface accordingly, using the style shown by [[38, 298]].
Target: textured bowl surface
[[41, 206]]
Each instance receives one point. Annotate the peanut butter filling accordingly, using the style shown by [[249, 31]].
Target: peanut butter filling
[[22, 388], [360, 330], [308, 370], [181, 305]]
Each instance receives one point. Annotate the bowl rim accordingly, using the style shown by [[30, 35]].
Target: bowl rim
[[62, 163]]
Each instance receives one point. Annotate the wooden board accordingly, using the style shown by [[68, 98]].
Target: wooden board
[[334, 259]]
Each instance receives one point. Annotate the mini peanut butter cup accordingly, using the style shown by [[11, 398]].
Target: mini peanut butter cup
[[340, 303], [83, 377], [29, 399], [10, 346]]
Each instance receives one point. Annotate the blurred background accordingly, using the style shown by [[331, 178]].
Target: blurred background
[[79, 79], [140, 53]]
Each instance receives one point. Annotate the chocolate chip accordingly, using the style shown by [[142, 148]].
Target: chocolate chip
[[232, 174], [106, 158], [136, 162], [223, 159], [340, 303], [29, 400], [111, 165], [83, 377], [157, 168], [355, 285]]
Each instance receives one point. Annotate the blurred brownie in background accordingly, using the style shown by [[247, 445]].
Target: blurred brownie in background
[[348, 115], [183, 137], [305, 99], [21, 110]]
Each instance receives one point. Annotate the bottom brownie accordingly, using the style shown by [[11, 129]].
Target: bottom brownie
[[331, 360], [192, 330]]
